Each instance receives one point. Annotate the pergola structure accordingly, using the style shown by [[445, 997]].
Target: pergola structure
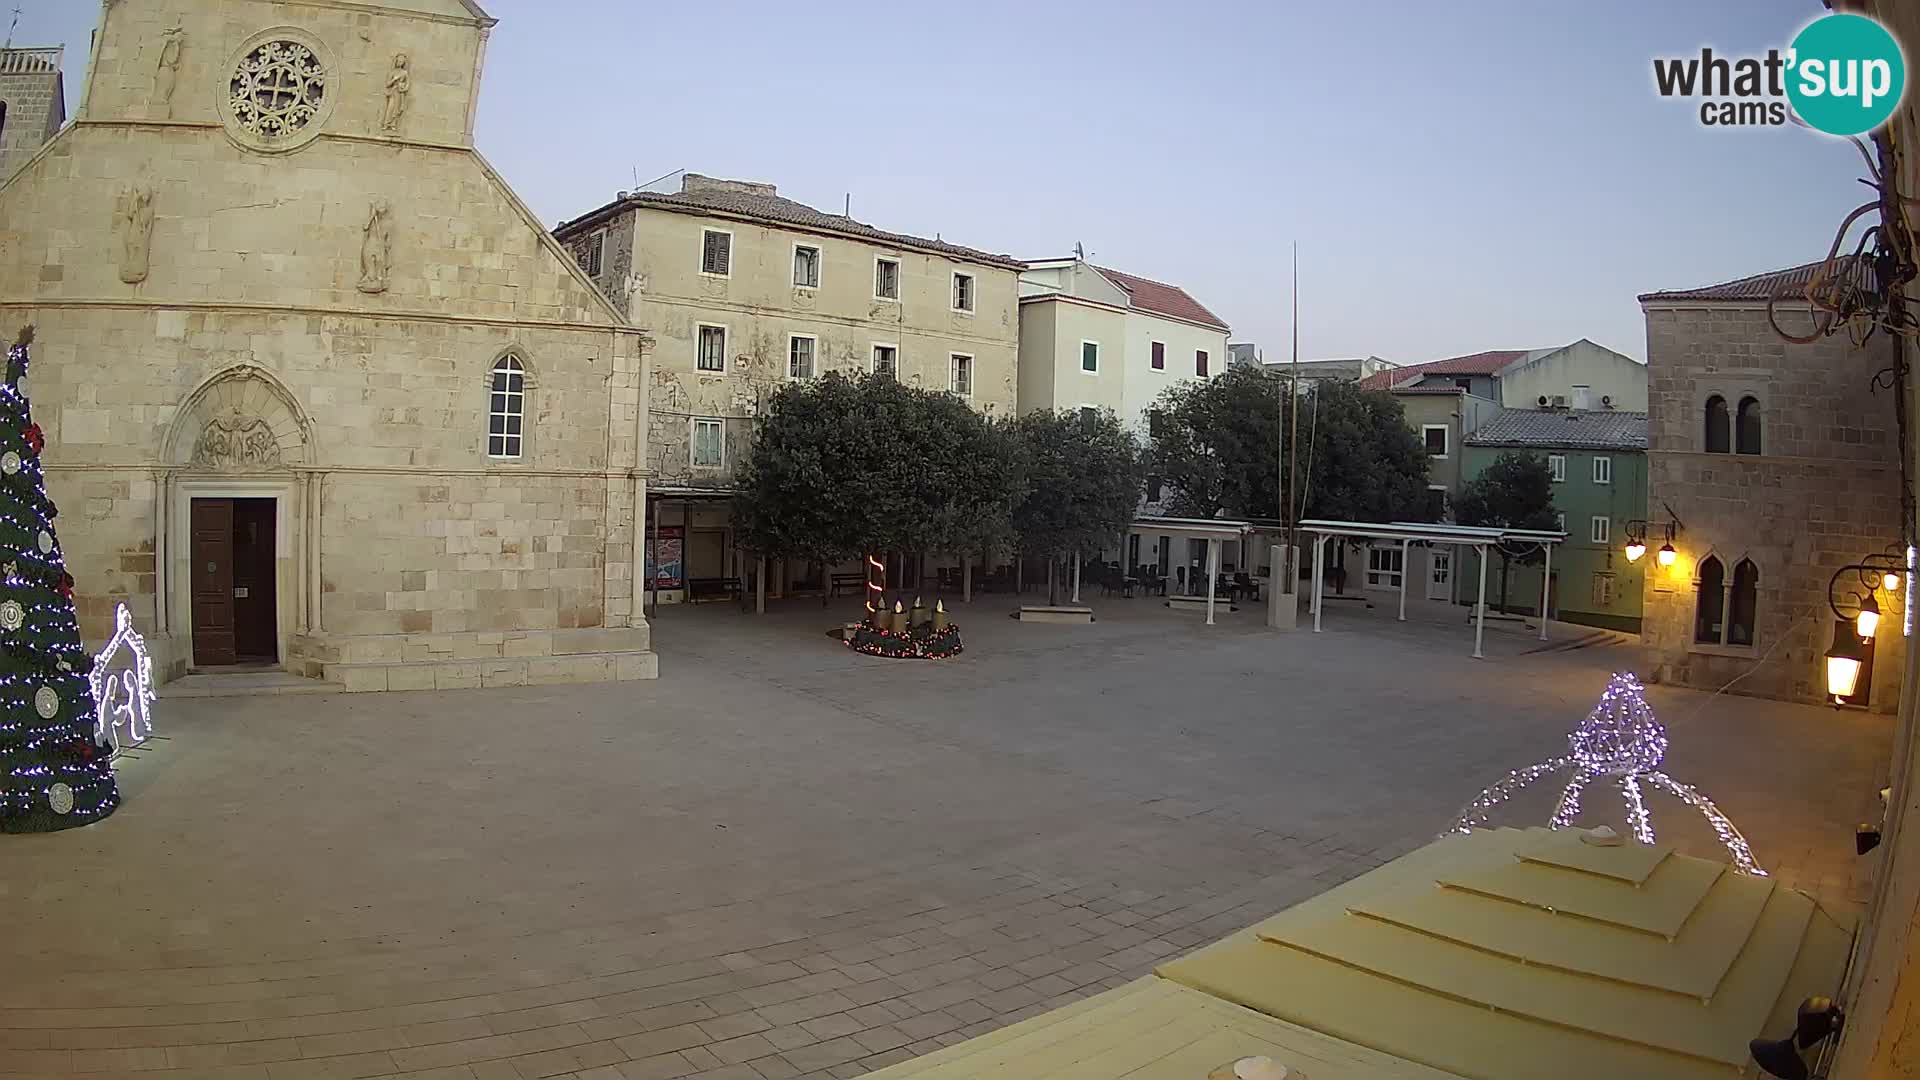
[[1409, 533], [1212, 530]]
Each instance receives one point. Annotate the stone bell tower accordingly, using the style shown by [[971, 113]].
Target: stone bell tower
[[33, 103]]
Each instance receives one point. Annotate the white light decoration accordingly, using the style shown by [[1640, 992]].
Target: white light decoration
[[1621, 740], [122, 696]]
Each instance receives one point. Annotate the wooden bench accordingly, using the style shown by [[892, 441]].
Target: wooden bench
[[712, 588], [850, 582]]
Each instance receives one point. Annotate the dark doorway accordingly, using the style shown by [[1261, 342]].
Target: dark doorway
[[234, 602]]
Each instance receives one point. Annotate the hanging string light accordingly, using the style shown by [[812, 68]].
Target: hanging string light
[[1622, 740]]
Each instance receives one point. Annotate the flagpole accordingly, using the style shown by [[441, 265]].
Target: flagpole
[[1290, 513]]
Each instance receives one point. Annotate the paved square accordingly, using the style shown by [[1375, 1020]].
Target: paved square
[[786, 859]]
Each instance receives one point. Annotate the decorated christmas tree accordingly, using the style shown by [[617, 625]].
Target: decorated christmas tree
[[53, 775]]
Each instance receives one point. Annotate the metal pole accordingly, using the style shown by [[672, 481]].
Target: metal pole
[[1213, 568], [1290, 513], [760, 588], [1546, 580], [1480, 608], [1319, 575], [653, 574], [1405, 567]]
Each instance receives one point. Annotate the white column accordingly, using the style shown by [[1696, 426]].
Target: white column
[[1319, 576], [1546, 582], [1406, 570], [1213, 571], [1076, 578], [1480, 605]]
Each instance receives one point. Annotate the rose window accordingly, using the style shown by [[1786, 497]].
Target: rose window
[[279, 88]]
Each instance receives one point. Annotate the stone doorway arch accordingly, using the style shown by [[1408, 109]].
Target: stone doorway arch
[[240, 434]]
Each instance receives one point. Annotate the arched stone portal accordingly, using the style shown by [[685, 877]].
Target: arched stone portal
[[239, 457]]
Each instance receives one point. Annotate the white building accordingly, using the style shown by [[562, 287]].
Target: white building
[[1091, 337]]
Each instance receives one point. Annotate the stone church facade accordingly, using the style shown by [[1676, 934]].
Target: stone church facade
[[319, 390]]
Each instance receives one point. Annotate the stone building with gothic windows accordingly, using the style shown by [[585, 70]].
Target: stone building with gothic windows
[[1772, 466], [320, 391]]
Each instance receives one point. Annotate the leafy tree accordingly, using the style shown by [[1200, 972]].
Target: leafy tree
[[1083, 483], [1515, 492], [1221, 443], [841, 467]]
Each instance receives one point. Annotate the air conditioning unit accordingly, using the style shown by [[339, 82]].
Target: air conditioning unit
[[1606, 401], [1543, 401], [1559, 401]]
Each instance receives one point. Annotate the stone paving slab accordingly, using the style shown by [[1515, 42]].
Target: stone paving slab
[[785, 859]]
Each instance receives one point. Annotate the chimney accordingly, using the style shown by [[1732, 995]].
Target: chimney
[[693, 182]]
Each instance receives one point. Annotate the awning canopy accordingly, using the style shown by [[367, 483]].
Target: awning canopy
[[1430, 533], [1193, 528]]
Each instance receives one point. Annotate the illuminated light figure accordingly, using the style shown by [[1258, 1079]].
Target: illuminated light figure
[[1619, 739], [122, 696], [876, 584]]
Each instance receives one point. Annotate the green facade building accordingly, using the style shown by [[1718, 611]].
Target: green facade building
[[1599, 463]]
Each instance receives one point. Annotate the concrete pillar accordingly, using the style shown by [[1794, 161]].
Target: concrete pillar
[[1406, 571], [760, 588], [1283, 603], [1076, 579], [1480, 606], [1546, 582], [1319, 577], [1213, 571]]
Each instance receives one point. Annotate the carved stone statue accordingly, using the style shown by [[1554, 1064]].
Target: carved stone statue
[[399, 84], [136, 232], [172, 40], [376, 248], [236, 444]]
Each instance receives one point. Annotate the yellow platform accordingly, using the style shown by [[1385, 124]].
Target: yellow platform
[[1502, 954]]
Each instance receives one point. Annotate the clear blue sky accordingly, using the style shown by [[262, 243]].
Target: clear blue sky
[[1459, 176]]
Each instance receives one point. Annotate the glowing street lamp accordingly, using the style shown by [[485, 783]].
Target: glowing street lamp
[[1635, 550], [1869, 618], [1843, 663], [1667, 555]]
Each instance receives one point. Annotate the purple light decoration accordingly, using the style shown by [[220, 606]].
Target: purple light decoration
[[1619, 740]]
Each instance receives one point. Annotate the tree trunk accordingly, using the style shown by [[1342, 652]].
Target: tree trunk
[[1503, 583], [1053, 584]]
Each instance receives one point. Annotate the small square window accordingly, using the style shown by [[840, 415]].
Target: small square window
[[1603, 470], [886, 361], [806, 266], [1436, 438], [716, 252], [1089, 413], [1200, 362], [712, 352], [1159, 356], [962, 383], [1156, 422], [963, 292], [709, 450], [1602, 530], [1557, 467], [1560, 520], [886, 279], [800, 357], [1090, 356]]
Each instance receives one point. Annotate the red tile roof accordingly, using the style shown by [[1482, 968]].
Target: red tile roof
[[1160, 297], [1786, 283], [1480, 363]]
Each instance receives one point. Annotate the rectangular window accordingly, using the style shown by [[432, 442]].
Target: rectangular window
[[1156, 422], [1603, 470], [1436, 502], [709, 443], [1159, 356], [962, 378], [1090, 357], [1384, 567], [712, 352], [1603, 590], [963, 292], [886, 361], [1560, 520], [1153, 488], [716, 252], [589, 253], [1557, 467], [800, 356], [1089, 413], [806, 266], [1200, 362], [886, 279], [1602, 530], [507, 409], [1436, 437]]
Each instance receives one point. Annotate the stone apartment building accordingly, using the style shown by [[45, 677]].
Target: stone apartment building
[[319, 390], [744, 290], [1778, 463], [33, 103]]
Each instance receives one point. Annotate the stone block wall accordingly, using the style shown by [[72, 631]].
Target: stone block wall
[[1823, 493]]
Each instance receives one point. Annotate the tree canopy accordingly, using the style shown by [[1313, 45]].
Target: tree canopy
[[1082, 477], [1219, 443], [839, 467], [1515, 492]]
